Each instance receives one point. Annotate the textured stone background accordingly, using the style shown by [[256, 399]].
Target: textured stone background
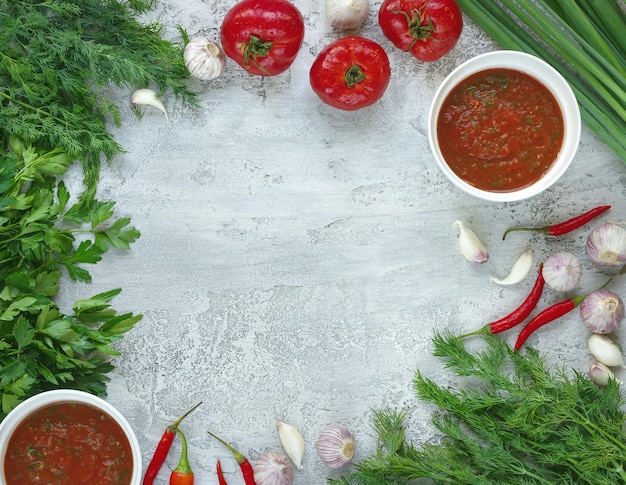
[[295, 259]]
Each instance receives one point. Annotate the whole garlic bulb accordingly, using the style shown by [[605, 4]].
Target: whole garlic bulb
[[336, 446], [273, 468], [347, 14], [204, 58]]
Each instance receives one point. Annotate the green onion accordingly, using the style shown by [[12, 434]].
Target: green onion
[[588, 53]]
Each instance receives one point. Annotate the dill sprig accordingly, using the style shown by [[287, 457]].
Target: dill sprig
[[55, 59], [517, 421]]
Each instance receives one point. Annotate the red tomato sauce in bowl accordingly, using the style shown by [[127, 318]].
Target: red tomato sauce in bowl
[[68, 443], [500, 130]]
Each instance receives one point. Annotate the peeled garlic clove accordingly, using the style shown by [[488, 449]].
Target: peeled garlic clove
[[605, 350], [148, 97], [292, 442], [519, 271], [600, 374], [336, 446], [471, 247], [273, 469], [204, 58], [347, 14]]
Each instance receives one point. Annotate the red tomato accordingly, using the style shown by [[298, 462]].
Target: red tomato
[[263, 36], [426, 28], [351, 73]]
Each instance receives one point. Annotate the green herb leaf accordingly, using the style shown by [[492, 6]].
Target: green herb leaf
[[516, 422]]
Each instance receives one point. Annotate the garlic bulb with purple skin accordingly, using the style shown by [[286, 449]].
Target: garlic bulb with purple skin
[[204, 58], [602, 311], [562, 271], [347, 14], [336, 446], [273, 469], [471, 247], [606, 245]]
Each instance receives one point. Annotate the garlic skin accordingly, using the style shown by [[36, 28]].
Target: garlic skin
[[148, 97], [347, 14], [204, 58], [602, 311], [292, 441], [471, 247], [273, 469], [605, 350], [562, 271], [336, 446], [600, 374], [519, 271], [606, 245]]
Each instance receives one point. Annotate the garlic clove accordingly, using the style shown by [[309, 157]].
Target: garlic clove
[[347, 14], [600, 374], [562, 271], [204, 58], [606, 245], [605, 350], [292, 442], [273, 469], [336, 446], [148, 97], [519, 271], [471, 247]]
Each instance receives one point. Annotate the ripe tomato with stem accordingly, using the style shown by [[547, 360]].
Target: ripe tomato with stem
[[263, 36], [351, 73], [428, 29]]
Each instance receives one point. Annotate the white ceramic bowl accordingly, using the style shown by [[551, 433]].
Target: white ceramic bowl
[[17, 415], [549, 77]]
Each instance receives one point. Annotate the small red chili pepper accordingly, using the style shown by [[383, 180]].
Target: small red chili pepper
[[182, 474], [244, 464], [163, 448], [548, 315], [518, 315], [220, 474], [565, 226]]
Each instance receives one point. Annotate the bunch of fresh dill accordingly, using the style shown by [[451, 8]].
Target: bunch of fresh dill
[[57, 56], [524, 423]]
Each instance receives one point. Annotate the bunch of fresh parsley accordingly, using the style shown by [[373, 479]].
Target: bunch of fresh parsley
[[517, 421], [41, 235], [56, 59]]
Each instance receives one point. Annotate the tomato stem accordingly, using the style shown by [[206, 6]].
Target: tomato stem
[[419, 29], [254, 50], [353, 75]]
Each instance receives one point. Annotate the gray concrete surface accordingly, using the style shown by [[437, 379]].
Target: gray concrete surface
[[295, 259]]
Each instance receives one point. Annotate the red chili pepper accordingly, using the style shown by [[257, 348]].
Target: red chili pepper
[[548, 315], [220, 474], [163, 448], [518, 315], [244, 464], [182, 474], [565, 226]]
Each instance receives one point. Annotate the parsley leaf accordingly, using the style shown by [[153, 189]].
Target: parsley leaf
[[40, 239]]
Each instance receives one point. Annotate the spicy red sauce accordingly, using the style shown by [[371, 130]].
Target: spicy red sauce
[[68, 443], [500, 130]]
